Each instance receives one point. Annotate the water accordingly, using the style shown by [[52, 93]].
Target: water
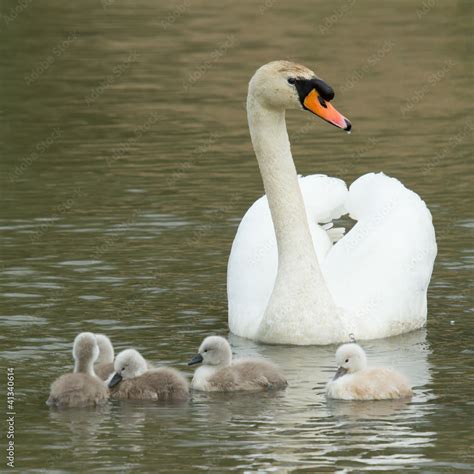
[[126, 166]]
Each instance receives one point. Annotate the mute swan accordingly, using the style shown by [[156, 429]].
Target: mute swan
[[220, 374], [354, 381], [288, 282], [82, 388], [133, 380], [104, 366]]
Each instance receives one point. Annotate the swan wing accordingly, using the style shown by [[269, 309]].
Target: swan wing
[[253, 261], [380, 270]]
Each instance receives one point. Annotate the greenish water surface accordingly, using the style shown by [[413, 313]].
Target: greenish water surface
[[126, 166]]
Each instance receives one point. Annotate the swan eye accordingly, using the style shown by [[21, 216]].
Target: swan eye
[[123, 368], [291, 80], [347, 360], [205, 350]]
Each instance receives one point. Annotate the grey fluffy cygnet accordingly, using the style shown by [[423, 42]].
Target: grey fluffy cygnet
[[104, 366], [354, 381], [81, 388], [219, 373], [133, 380]]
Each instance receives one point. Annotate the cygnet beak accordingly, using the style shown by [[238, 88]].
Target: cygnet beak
[[340, 372], [116, 379], [197, 359]]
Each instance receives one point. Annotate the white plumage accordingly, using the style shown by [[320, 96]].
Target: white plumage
[[378, 272], [371, 282], [253, 260]]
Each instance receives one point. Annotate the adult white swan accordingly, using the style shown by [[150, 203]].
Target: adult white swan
[[290, 280]]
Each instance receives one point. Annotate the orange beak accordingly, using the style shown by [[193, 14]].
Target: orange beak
[[322, 108]]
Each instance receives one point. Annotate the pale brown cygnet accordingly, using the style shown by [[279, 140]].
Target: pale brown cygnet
[[81, 388], [355, 381], [219, 373], [133, 380]]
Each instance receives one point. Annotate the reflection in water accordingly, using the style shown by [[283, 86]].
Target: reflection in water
[[309, 368], [359, 410], [80, 434], [126, 166], [83, 424]]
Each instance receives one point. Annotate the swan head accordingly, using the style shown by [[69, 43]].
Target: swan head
[[214, 350], [85, 348], [350, 358], [128, 364], [106, 349], [286, 85]]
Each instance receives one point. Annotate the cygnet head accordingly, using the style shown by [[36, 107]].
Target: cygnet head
[[85, 349], [106, 349], [214, 350], [128, 364], [281, 85], [350, 358]]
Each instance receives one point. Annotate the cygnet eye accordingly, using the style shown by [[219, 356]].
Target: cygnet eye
[[123, 368], [205, 350], [347, 360], [291, 80]]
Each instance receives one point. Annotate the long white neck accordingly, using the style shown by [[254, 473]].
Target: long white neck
[[106, 350], [300, 297], [272, 148], [84, 367]]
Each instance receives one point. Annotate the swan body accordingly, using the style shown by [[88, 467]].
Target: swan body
[[292, 279], [134, 380], [354, 381], [220, 374], [81, 388]]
